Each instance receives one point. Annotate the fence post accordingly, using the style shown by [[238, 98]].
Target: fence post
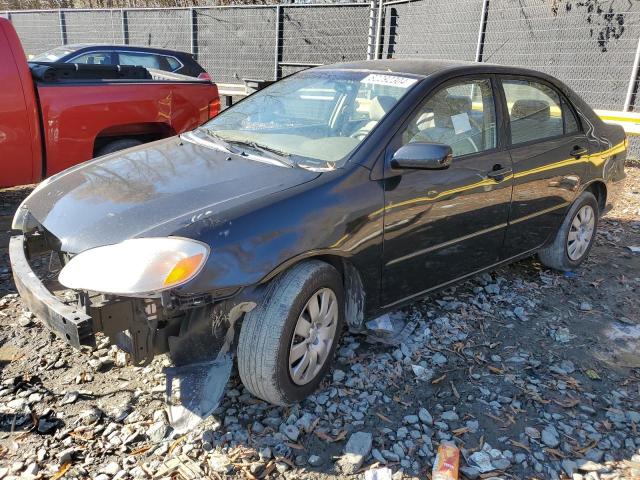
[[379, 39], [193, 16], [371, 38], [125, 26], [277, 68], [63, 27], [482, 30], [633, 81]]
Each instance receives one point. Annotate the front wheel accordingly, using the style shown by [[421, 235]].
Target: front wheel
[[575, 237], [287, 342]]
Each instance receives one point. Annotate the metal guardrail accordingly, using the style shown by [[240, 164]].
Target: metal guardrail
[[630, 121]]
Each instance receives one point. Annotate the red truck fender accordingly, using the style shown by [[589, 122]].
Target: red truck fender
[[20, 138]]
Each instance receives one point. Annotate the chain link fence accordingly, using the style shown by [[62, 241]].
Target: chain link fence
[[592, 45]]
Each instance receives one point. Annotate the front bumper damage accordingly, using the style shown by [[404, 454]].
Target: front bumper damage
[[199, 334]]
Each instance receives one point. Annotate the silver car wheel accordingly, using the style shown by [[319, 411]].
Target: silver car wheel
[[313, 336], [580, 232]]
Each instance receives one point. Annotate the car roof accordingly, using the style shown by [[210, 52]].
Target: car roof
[[82, 46], [424, 67]]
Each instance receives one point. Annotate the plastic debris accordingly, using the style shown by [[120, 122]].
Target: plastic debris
[[194, 391], [570, 275], [634, 248], [378, 474], [382, 324], [390, 329], [447, 462]]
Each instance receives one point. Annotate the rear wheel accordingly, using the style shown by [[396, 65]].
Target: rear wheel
[[575, 237], [117, 145], [287, 342]]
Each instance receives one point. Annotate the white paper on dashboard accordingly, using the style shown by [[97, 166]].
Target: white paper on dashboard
[[461, 123]]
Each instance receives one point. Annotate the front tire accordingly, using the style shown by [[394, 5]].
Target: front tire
[[575, 237], [287, 342]]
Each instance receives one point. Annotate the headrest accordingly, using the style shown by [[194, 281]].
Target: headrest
[[379, 107], [531, 109], [459, 103], [441, 110]]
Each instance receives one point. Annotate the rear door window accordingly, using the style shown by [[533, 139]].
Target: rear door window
[[94, 58], [535, 111], [140, 59]]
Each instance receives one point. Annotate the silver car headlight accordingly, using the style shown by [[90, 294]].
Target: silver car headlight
[[137, 267]]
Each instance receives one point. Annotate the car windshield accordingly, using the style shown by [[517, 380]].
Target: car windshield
[[53, 55], [313, 119]]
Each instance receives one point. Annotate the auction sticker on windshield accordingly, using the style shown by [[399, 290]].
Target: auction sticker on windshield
[[389, 80]]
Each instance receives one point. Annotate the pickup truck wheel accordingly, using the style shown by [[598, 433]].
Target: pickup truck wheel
[[287, 342], [575, 236], [116, 145]]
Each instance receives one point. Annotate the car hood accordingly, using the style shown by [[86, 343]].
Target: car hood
[[152, 190]]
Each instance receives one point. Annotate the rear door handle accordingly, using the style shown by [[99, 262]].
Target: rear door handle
[[499, 173], [578, 151]]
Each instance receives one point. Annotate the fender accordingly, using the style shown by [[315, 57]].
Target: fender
[[336, 217]]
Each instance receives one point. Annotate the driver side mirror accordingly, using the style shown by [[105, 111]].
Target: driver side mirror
[[422, 156]]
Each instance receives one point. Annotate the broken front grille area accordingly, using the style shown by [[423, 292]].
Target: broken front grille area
[[139, 326]]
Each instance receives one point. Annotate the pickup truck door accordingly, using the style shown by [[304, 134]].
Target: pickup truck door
[[440, 225]]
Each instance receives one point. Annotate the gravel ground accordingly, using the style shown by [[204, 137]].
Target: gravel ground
[[532, 373]]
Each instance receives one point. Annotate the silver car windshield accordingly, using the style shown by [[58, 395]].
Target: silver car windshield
[[314, 119]]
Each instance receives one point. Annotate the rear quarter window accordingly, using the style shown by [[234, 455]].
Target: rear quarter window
[[173, 64]]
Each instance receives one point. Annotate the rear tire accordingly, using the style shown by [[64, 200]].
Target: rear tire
[[575, 237], [117, 145], [273, 333]]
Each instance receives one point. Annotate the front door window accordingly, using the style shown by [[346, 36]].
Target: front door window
[[461, 115]]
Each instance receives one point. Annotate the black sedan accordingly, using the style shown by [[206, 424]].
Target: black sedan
[[97, 54], [328, 198]]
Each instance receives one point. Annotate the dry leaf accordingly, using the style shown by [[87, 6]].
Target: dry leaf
[[555, 452], [569, 403], [175, 443], [386, 419], [341, 436], [592, 374], [455, 392], [496, 370], [63, 469], [520, 445], [140, 450], [295, 446], [439, 379]]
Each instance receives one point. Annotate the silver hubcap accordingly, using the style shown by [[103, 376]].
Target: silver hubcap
[[313, 336], [581, 232]]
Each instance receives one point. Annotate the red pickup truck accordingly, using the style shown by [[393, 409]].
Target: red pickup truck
[[53, 116]]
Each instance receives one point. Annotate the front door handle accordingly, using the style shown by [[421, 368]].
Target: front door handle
[[578, 151], [498, 173]]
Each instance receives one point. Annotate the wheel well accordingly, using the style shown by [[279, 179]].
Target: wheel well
[[145, 132], [354, 293], [599, 190]]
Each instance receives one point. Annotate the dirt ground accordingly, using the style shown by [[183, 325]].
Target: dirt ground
[[532, 373]]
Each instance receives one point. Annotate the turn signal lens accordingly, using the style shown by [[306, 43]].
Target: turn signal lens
[[214, 107], [184, 269]]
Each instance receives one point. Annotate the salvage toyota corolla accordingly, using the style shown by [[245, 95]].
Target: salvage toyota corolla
[[328, 198]]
